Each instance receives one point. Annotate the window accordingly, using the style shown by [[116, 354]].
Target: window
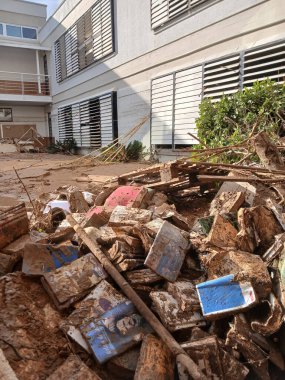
[[18, 31], [6, 114], [163, 11], [30, 33], [176, 97], [175, 106], [221, 77], [264, 62], [13, 31], [87, 41], [92, 123]]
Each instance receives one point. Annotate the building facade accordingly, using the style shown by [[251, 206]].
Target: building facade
[[110, 63], [25, 96]]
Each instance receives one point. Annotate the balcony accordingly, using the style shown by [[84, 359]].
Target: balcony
[[24, 87]]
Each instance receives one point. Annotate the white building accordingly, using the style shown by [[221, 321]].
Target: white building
[[24, 84], [112, 62]]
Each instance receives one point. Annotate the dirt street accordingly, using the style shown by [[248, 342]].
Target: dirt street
[[46, 172]]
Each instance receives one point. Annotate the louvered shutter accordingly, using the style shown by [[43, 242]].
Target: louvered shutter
[[90, 123], [71, 51], [165, 10], [162, 110], [102, 28], [57, 61], [85, 124], [60, 65], [176, 7], [262, 63], [65, 123], [76, 128], [196, 3], [81, 42], [188, 91], [106, 109], [159, 12], [221, 77]]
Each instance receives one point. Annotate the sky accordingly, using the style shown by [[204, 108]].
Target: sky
[[52, 4]]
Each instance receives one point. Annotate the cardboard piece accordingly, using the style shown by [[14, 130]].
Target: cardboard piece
[[68, 284]]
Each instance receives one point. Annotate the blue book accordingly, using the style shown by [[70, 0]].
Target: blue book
[[115, 331], [225, 296]]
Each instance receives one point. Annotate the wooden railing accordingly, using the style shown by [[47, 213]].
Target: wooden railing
[[24, 84]]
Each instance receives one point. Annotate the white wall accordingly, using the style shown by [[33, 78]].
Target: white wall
[[23, 13], [19, 60], [26, 114]]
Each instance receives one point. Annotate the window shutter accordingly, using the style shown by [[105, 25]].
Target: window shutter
[[65, 123], [188, 93], [266, 62], [162, 110], [89, 122], [159, 12], [195, 3], [165, 10], [57, 61], [221, 77], [106, 109], [76, 129], [177, 7], [71, 51], [102, 28]]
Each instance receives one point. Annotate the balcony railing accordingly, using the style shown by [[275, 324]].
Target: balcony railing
[[24, 84]]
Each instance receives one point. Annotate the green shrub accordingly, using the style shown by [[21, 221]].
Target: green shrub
[[231, 120], [134, 151], [66, 146]]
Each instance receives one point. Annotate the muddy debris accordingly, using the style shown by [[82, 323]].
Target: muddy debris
[[124, 284]]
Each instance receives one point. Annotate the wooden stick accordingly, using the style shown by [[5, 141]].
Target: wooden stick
[[217, 178], [197, 138], [163, 333], [25, 189]]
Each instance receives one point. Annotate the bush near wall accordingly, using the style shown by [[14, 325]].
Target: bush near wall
[[231, 120]]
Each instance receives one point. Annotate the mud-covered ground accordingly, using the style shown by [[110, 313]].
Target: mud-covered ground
[[43, 173]]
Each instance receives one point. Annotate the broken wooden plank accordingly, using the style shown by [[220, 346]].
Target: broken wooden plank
[[13, 224], [155, 361], [216, 178], [143, 276]]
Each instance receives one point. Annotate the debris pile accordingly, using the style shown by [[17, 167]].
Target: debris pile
[[127, 284]]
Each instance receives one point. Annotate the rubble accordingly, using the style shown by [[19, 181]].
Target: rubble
[[136, 282]]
